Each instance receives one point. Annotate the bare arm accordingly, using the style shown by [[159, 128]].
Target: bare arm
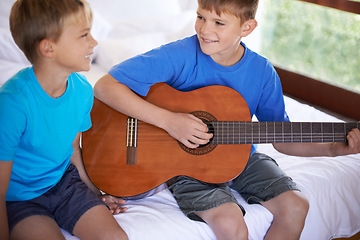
[[184, 127], [5, 173], [77, 160], [352, 146]]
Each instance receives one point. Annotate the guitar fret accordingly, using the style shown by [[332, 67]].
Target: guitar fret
[[229, 139], [222, 135], [225, 135], [305, 132], [245, 133], [274, 131], [287, 129], [252, 132], [266, 127], [233, 131], [240, 132], [223, 138], [263, 128]]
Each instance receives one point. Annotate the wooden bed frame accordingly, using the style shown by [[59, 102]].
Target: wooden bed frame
[[321, 94], [355, 237]]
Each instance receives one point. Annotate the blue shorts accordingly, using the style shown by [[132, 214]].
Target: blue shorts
[[66, 202], [260, 181]]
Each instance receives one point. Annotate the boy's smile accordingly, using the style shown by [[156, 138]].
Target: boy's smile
[[220, 36], [208, 41]]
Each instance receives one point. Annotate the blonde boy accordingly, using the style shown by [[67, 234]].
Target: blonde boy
[[43, 110], [216, 56]]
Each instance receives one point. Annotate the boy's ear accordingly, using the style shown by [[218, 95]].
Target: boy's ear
[[248, 27], [46, 48]]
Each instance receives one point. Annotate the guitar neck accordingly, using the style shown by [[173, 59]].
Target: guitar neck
[[229, 132]]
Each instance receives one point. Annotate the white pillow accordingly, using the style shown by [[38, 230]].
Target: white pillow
[[101, 28], [188, 4], [130, 37], [114, 51], [5, 7], [8, 49], [125, 9], [142, 25]]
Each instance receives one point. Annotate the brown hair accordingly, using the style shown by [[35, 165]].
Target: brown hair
[[243, 9], [31, 21]]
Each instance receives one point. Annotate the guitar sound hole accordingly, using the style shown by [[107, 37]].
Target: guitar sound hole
[[207, 118]]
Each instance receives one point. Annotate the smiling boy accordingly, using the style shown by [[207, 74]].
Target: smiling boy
[[43, 110], [216, 56]]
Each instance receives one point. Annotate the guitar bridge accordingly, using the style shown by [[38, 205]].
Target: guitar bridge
[[131, 141]]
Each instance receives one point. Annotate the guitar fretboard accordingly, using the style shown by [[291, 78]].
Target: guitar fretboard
[[228, 132]]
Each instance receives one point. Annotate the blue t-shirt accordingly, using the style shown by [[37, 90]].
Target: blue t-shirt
[[185, 67], [37, 131]]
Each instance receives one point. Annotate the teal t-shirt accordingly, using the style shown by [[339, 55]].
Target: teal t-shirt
[[37, 131]]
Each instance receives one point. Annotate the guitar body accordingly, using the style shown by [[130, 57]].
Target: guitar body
[[159, 157]]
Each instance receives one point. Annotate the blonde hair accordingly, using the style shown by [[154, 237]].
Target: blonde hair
[[243, 9], [31, 21]]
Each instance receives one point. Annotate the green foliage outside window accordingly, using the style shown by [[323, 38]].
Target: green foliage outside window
[[316, 41]]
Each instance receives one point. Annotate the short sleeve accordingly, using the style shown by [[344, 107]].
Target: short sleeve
[[12, 126]]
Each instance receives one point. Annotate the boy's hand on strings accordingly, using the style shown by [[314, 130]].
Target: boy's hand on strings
[[352, 146], [114, 204], [188, 129]]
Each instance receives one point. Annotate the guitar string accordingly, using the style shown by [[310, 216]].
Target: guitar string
[[231, 130], [286, 137], [227, 132], [268, 138]]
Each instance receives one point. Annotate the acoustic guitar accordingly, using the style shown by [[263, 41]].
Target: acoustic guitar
[[125, 157]]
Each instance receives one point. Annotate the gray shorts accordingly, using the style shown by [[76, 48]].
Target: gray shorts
[[260, 181]]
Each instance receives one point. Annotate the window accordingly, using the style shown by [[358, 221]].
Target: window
[[316, 41]]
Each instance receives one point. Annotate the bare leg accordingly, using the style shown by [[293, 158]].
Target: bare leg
[[289, 210], [226, 221], [99, 223], [37, 227]]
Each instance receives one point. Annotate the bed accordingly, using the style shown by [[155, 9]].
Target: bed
[[125, 28]]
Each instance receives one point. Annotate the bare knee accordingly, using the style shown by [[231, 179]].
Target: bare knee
[[226, 221], [296, 208], [232, 227], [289, 209], [36, 227], [99, 224], [115, 235]]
